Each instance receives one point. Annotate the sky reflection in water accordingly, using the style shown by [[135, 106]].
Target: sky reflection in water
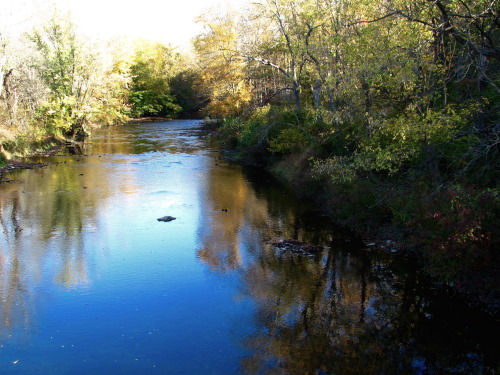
[[91, 282]]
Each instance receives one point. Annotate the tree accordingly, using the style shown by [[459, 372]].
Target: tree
[[183, 87], [284, 17], [222, 81], [150, 94], [84, 86], [66, 71]]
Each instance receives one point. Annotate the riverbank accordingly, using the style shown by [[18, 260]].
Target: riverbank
[[16, 164], [138, 120], [16, 158], [244, 253], [453, 230]]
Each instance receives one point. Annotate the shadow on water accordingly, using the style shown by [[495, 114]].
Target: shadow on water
[[353, 313], [68, 227], [345, 311]]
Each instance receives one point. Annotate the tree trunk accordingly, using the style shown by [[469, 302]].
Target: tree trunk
[[317, 99], [368, 104], [296, 93], [317, 94]]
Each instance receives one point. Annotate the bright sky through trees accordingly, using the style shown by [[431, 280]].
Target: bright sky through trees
[[169, 21]]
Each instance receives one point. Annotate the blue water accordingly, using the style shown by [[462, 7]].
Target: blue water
[[92, 283], [117, 291]]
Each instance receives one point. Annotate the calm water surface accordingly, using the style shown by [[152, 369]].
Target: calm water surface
[[91, 282]]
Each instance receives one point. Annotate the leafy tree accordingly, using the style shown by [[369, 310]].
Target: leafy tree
[[60, 67], [182, 86], [391, 105], [83, 86], [222, 78], [151, 70]]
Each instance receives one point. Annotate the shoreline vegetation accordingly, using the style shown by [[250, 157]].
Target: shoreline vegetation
[[386, 114], [471, 273]]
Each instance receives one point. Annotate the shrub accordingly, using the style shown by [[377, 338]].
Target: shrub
[[458, 230], [288, 141], [230, 132]]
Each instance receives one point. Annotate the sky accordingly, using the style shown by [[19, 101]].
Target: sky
[[168, 21]]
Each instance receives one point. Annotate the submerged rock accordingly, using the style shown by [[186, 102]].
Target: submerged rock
[[387, 245], [296, 247], [166, 218]]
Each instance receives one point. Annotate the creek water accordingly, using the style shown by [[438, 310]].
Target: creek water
[[92, 283]]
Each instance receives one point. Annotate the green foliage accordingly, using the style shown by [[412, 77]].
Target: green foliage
[[399, 144], [83, 87], [150, 103], [256, 129], [182, 86], [395, 106], [150, 93], [289, 140], [61, 68], [60, 116], [230, 132], [284, 129], [59, 53], [110, 111]]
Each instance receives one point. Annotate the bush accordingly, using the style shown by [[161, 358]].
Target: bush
[[289, 140], [230, 132], [255, 130], [62, 117], [458, 229], [281, 130]]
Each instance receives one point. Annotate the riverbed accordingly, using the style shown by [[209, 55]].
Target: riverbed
[[91, 282]]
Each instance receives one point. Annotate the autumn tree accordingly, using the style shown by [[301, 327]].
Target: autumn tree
[[79, 80], [222, 81]]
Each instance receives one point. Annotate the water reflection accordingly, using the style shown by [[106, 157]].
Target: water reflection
[[149, 137], [345, 311], [87, 216], [42, 216], [87, 223]]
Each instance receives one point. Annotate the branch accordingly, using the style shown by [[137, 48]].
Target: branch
[[447, 27], [413, 19], [374, 20], [309, 33], [277, 93], [490, 81], [488, 52], [266, 62]]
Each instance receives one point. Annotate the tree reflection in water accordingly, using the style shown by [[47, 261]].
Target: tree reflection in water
[[345, 311], [42, 216]]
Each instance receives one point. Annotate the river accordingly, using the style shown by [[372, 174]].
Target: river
[[92, 283]]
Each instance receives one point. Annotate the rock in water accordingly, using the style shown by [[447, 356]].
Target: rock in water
[[296, 247], [166, 218]]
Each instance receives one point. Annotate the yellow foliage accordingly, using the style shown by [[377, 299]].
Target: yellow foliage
[[223, 78]]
